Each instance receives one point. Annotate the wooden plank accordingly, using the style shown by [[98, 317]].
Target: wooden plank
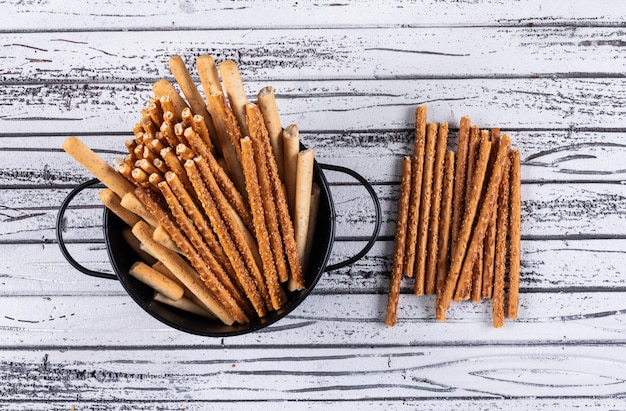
[[339, 105], [99, 14], [324, 320], [393, 374], [378, 53]]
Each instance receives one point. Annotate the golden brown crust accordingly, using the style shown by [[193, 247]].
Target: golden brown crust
[[445, 233], [502, 227], [460, 177], [514, 234]]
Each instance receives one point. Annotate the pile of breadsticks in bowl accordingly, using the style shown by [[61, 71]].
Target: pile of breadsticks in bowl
[[216, 191], [458, 223]]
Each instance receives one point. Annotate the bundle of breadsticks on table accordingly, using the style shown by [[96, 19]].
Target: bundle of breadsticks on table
[[217, 192], [459, 219]]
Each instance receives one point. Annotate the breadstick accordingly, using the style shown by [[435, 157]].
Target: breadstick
[[291, 148], [156, 144], [445, 234], [487, 208], [430, 278], [399, 244], [168, 107], [136, 246], [460, 177], [185, 304], [156, 280], [113, 203], [459, 251], [209, 278], [179, 130], [303, 198], [171, 159], [199, 246], [472, 157], [502, 229], [97, 166], [315, 201], [161, 268], [259, 215], [156, 113], [165, 88], [149, 128], [187, 85], [147, 166], [233, 195], [417, 170], [183, 151], [184, 273], [167, 130], [231, 79], [267, 104], [161, 236], [477, 275], [131, 203], [199, 126], [514, 234], [207, 70], [244, 241], [490, 238], [258, 136], [425, 205]]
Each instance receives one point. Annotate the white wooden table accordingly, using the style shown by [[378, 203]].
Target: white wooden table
[[350, 74]]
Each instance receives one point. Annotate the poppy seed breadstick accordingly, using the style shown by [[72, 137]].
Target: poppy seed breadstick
[[162, 88], [445, 234], [417, 170], [434, 230], [184, 272], [484, 216], [209, 278], [466, 228], [514, 234], [267, 104], [399, 244], [425, 209], [460, 177], [502, 230]]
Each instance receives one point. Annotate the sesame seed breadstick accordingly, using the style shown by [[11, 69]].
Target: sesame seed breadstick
[[502, 229], [233, 84], [490, 237], [267, 104], [113, 203], [514, 234], [162, 88], [445, 234], [460, 177]]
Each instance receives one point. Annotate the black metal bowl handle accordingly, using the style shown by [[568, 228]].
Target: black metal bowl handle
[[377, 215], [59, 233]]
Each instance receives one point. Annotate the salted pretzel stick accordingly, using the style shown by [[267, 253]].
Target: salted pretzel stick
[[131, 203], [425, 208], [459, 251], [502, 230], [445, 234], [183, 151], [179, 130], [162, 237], [156, 144], [184, 273], [147, 166], [113, 203], [199, 126], [160, 165], [490, 238], [231, 79], [432, 244], [209, 278], [97, 166], [487, 208], [399, 244], [167, 130], [257, 205], [514, 234], [315, 201], [267, 104], [233, 195], [168, 106], [136, 246], [171, 159], [156, 113], [156, 280], [417, 170], [199, 246], [267, 176], [165, 88], [148, 126], [291, 148], [460, 176]]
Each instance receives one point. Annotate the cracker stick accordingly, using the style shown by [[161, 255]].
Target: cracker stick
[[458, 254], [487, 208], [502, 229], [243, 239], [259, 214], [460, 177], [209, 278], [136, 246], [162, 237], [131, 203], [489, 250], [430, 278], [315, 201], [303, 199], [231, 79], [417, 170], [199, 246], [187, 85], [425, 205], [183, 272], [233, 195], [113, 203], [267, 104], [514, 234], [445, 234], [184, 304], [165, 88], [156, 280], [258, 136], [291, 148], [97, 166], [399, 244]]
